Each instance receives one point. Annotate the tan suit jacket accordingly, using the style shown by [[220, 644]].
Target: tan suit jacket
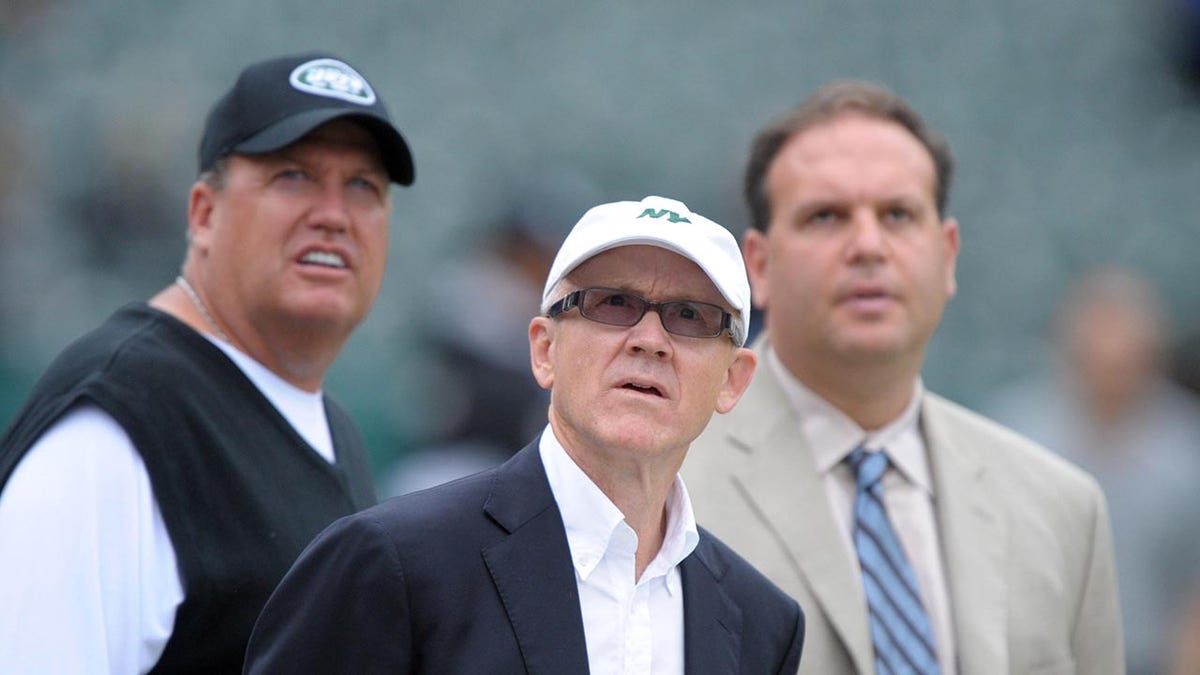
[[1025, 538]]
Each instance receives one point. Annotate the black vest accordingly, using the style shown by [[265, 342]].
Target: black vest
[[240, 491]]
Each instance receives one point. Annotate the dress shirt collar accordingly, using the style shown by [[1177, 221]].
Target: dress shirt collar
[[832, 435], [594, 524]]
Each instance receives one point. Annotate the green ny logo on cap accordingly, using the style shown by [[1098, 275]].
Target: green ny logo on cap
[[659, 213], [334, 79]]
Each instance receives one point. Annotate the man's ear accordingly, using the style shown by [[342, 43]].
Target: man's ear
[[754, 252], [950, 231], [541, 347], [737, 379], [201, 202]]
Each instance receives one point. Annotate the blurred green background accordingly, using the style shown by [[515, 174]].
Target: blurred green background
[[1076, 126]]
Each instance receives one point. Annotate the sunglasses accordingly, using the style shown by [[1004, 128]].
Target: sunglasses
[[615, 307]]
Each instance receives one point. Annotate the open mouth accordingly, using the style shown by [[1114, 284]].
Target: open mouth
[[644, 389], [323, 259]]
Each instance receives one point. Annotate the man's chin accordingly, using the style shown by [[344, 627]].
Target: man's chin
[[638, 437], [878, 345], [324, 318]]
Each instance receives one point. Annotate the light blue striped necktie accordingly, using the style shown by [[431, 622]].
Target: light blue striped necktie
[[900, 627]]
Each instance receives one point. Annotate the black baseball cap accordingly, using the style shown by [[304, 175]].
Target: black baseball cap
[[274, 103]]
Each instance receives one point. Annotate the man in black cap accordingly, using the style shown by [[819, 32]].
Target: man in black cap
[[170, 465]]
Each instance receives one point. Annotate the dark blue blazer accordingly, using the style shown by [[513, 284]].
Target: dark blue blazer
[[475, 576]]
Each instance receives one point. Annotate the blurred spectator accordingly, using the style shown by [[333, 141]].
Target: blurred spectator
[[17, 177], [1187, 636], [1183, 22], [16, 16], [1107, 406], [488, 404], [126, 216]]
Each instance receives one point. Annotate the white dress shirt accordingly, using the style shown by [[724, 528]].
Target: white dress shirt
[[632, 626], [907, 485], [88, 577]]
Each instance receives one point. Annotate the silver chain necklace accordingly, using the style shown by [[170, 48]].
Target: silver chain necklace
[[191, 293]]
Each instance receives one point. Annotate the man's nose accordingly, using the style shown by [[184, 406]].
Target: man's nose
[[867, 237], [650, 335], [332, 210]]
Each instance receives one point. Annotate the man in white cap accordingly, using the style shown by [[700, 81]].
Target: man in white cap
[[171, 464], [580, 554]]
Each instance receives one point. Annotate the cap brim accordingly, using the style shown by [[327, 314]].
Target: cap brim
[[396, 156]]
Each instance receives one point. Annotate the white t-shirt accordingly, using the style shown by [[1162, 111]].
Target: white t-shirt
[[89, 582]]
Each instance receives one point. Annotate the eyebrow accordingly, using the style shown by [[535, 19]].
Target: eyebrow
[[718, 302]]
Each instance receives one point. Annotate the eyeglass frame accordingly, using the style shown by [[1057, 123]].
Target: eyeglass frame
[[573, 300]]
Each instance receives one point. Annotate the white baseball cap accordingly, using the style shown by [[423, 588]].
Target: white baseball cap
[[665, 223]]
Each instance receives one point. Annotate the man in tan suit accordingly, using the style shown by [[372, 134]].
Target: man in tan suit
[[1004, 549]]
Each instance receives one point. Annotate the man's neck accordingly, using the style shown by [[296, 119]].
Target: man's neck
[[639, 489], [870, 394], [300, 360]]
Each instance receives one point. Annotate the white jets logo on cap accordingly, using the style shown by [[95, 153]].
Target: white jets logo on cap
[[332, 78]]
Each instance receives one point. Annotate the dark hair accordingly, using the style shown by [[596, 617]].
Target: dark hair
[[830, 101]]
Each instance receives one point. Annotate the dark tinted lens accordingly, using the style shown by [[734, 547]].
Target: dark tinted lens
[[692, 319], [613, 307]]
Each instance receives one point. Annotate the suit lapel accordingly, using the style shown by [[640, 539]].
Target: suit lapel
[[973, 533], [780, 480], [712, 623], [532, 568]]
